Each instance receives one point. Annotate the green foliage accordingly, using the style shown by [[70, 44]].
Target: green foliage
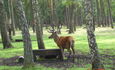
[[70, 2], [67, 2]]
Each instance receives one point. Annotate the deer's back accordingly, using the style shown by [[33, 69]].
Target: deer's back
[[64, 42]]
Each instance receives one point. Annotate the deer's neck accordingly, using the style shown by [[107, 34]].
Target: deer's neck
[[56, 38]]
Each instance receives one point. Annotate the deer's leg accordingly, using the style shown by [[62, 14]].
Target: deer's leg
[[73, 54], [62, 49], [73, 51], [69, 52], [72, 47], [62, 55]]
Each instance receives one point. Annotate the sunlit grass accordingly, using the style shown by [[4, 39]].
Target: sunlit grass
[[105, 38], [37, 67]]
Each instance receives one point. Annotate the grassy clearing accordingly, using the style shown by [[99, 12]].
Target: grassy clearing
[[37, 68], [20, 68], [105, 39]]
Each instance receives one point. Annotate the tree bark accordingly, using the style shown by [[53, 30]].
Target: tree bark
[[5, 37], [12, 16], [36, 12], [96, 61], [7, 7], [71, 18], [98, 13], [32, 19], [110, 14], [103, 16], [28, 54]]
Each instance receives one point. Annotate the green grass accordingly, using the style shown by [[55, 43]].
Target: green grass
[[105, 38], [20, 68], [37, 68]]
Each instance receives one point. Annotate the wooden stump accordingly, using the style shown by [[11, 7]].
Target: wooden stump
[[48, 53], [18, 40]]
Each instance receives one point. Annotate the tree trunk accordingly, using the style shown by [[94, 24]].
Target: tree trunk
[[5, 37], [39, 37], [32, 19], [7, 7], [96, 61], [36, 12], [110, 14], [12, 16], [103, 16], [98, 13], [71, 18], [28, 54], [67, 17]]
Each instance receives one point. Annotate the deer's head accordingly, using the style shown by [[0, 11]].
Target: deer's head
[[53, 35]]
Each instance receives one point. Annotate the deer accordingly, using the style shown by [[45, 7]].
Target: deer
[[63, 42]]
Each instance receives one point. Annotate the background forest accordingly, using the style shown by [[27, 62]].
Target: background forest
[[26, 25]]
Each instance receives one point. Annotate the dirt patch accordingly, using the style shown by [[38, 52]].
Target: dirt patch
[[1, 59], [81, 60], [9, 61], [67, 63]]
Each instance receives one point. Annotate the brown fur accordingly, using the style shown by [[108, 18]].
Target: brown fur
[[64, 42]]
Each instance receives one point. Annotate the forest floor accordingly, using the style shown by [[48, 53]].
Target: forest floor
[[105, 40], [81, 61]]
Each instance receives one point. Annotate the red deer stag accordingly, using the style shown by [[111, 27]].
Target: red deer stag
[[63, 42]]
